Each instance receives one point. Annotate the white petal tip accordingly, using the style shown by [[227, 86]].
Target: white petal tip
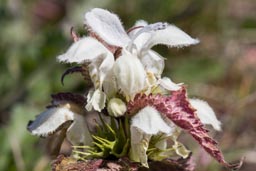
[[206, 113]]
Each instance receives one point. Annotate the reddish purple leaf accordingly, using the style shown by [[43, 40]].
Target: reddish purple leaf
[[178, 109]]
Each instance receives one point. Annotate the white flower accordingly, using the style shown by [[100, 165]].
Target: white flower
[[205, 113], [146, 123], [67, 115], [139, 41], [108, 27]]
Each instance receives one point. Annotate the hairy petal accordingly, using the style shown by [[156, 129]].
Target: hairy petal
[[150, 121], [48, 122], [95, 100], [171, 36], [107, 26], [139, 145], [205, 113], [84, 50], [146, 123], [99, 68], [110, 84], [153, 63], [167, 84], [130, 74], [56, 118]]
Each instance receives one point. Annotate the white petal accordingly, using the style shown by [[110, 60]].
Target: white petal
[[96, 100], [110, 85], [167, 83], [130, 74], [153, 63], [108, 26], [78, 132], [99, 68], [139, 146], [86, 49], [50, 120], [149, 120], [206, 113], [171, 36]]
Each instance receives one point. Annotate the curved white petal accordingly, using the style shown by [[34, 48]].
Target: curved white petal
[[149, 120], [153, 62], [95, 100], [168, 84], [146, 123], [108, 26], [50, 120], [139, 146], [85, 49], [171, 36], [110, 85], [54, 118], [99, 68], [206, 113], [130, 74]]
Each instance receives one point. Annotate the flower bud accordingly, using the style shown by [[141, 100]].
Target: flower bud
[[116, 107]]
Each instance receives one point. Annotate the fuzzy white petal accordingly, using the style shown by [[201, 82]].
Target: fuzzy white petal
[[130, 74], [168, 84], [110, 85], [99, 68], [85, 49], [108, 26], [206, 113], [153, 62], [146, 123], [149, 120], [139, 146], [95, 100], [50, 120], [171, 36], [53, 119]]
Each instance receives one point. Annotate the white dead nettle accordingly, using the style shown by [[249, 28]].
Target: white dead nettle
[[146, 123], [138, 67], [54, 118], [139, 41], [205, 113]]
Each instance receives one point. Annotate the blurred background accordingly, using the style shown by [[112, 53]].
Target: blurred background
[[221, 69]]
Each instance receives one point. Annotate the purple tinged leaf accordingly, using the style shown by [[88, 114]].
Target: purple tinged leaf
[[177, 108]]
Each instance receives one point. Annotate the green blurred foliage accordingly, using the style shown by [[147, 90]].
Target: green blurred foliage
[[221, 69]]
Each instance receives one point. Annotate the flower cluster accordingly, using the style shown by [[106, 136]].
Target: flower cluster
[[140, 111]]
